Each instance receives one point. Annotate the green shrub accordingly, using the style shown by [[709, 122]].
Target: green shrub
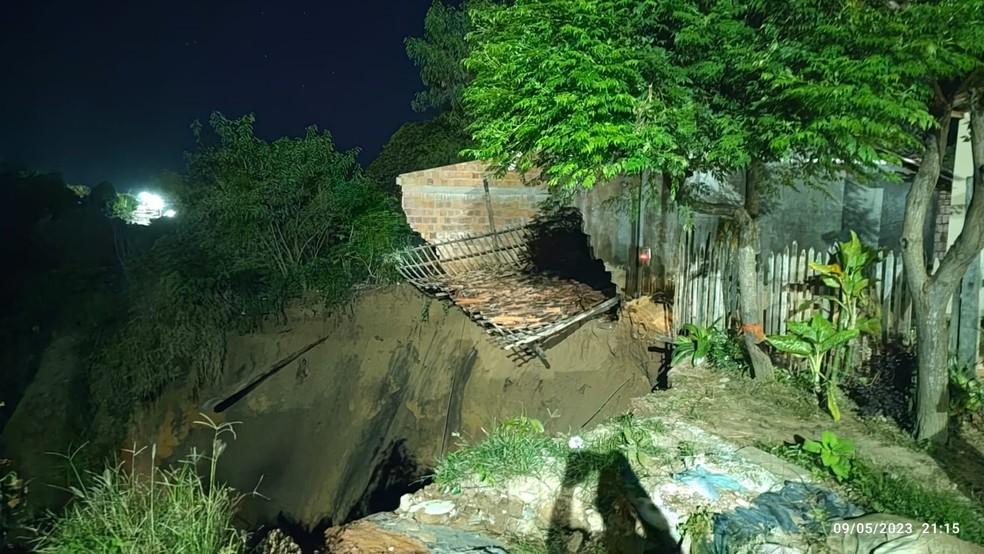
[[519, 446], [170, 510], [834, 453], [812, 341], [693, 343], [727, 352], [721, 348], [966, 391], [632, 437]]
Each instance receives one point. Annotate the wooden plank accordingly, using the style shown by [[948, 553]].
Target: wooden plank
[[553, 330]]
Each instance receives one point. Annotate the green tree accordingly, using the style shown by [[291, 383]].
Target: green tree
[[592, 89], [415, 146], [937, 48], [279, 208], [259, 224], [439, 54]]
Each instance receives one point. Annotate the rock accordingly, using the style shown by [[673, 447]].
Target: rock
[[574, 542], [276, 542], [365, 537], [433, 511], [384, 533], [596, 523]]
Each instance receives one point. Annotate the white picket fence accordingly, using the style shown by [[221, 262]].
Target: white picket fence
[[706, 290]]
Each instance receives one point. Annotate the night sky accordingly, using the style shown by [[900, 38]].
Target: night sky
[[107, 90]]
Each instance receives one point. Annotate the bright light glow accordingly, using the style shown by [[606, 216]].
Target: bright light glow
[[150, 206], [153, 202]]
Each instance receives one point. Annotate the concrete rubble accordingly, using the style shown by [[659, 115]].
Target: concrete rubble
[[708, 476]]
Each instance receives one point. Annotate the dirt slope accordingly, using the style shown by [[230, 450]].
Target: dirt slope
[[340, 431]]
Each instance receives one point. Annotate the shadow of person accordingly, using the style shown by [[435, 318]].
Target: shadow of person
[[632, 523]]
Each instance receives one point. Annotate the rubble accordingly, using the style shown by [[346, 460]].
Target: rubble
[[517, 299]]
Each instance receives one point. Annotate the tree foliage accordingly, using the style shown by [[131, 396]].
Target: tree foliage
[[591, 89], [577, 89], [439, 54], [260, 223], [418, 145], [937, 48], [278, 208]]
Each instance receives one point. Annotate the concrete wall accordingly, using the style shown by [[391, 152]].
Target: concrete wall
[[448, 202]]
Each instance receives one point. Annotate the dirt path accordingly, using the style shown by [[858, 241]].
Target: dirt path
[[750, 413]]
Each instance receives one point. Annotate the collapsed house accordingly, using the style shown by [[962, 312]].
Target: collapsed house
[[524, 275]]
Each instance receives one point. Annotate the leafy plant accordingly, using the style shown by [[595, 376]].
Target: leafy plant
[[727, 352], [631, 436], [686, 449], [123, 207], [812, 341], [697, 528], [694, 342], [966, 391], [121, 511], [835, 454], [848, 278]]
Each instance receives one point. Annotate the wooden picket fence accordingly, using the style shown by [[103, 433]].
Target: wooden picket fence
[[706, 289]]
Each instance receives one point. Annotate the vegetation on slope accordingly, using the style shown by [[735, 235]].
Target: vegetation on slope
[[121, 510]]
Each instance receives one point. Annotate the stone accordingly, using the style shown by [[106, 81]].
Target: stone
[[276, 542], [390, 533], [406, 501], [596, 523], [433, 511], [365, 537]]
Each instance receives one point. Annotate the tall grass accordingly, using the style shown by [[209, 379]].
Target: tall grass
[[169, 511]]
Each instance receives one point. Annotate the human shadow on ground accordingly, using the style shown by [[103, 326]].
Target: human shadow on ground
[[622, 502]]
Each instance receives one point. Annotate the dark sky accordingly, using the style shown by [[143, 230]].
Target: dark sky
[[107, 90]]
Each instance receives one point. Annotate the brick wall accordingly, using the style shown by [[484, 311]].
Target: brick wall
[[448, 202]]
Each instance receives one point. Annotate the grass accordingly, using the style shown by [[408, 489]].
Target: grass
[[121, 511], [519, 447], [880, 489]]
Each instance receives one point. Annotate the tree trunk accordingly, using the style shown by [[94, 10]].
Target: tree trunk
[[931, 292], [749, 246], [932, 348]]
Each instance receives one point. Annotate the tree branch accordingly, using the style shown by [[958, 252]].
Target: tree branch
[[916, 207], [971, 239]]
